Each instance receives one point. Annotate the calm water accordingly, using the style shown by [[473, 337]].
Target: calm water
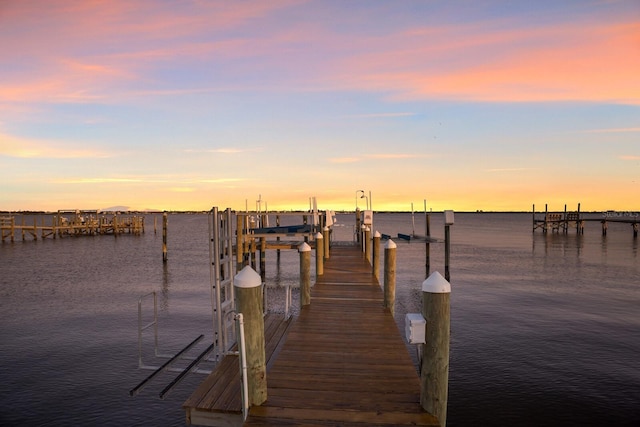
[[545, 329]]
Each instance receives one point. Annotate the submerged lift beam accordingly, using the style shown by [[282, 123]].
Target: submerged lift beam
[[134, 391]]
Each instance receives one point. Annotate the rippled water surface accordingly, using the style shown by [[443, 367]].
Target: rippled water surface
[[545, 328]]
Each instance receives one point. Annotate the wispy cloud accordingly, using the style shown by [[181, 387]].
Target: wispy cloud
[[612, 130], [226, 150], [345, 159], [554, 63], [147, 179], [379, 115], [510, 169], [12, 146], [396, 156], [629, 157]]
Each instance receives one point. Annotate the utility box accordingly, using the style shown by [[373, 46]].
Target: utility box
[[415, 328], [368, 217], [448, 217]]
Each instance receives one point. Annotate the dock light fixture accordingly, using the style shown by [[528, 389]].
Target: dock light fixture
[[359, 191], [365, 197]]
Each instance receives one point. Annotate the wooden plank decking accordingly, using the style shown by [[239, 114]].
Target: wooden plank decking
[[344, 361], [217, 401]]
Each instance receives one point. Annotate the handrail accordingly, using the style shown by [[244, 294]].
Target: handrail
[[243, 366]]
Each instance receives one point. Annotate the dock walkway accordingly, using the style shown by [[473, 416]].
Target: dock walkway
[[344, 361]]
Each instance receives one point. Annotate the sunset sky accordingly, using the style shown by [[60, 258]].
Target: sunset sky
[[185, 105]]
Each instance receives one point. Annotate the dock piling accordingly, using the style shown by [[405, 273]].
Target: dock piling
[[448, 221], [248, 290], [164, 235], [367, 244], [434, 370], [319, 255], [390, 276], [375, 265], [326, 238], [305, 274]]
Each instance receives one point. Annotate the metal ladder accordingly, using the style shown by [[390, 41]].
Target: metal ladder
[[221, 267]]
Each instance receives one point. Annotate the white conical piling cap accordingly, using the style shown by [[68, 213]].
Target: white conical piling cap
[[390, 244], [304, 247], [247, 278], [436, 284], [319, 235], [377, 234]]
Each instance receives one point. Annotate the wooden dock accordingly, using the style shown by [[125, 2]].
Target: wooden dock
[[75, 223], [343, 361], [557, 222]]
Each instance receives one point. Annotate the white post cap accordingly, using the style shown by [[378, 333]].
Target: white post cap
[[319, 235], [377, 234], [436, 284], [390, 244], [326, 228], [304, 247], [247, 278]]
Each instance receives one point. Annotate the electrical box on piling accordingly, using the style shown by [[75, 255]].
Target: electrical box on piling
[[415, 328], [368, 217]]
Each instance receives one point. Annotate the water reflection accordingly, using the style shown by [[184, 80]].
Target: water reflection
[[164, 295]]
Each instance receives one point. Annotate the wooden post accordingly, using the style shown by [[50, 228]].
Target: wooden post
[[326, 238], [390, 276], [358, 223], [579, 223], [22, 228], [263, 258], [367, 244], [427, 248], [278, 239], [164, 235], [319, 255], [434, 370], [375, 265], [635, 230], [544, 229], [305, 274], [248, 292], [239, 243], [448, 221], [447, 247], [155, 224], [533, 217]]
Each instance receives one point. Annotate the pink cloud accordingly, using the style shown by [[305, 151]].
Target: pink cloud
[[571, 62], [84, 51]]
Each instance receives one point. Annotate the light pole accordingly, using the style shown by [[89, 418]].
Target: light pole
[[365, 197], [359, 191]]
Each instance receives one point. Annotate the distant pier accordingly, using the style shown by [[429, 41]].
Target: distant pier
[[68, 223], [557, 222]]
